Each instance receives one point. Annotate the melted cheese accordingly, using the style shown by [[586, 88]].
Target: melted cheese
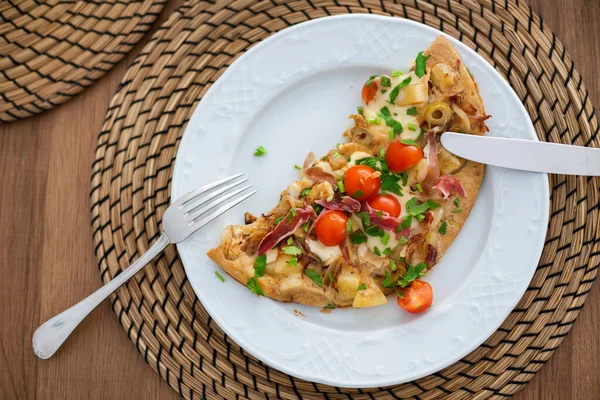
[[327, 254], [398, 112]]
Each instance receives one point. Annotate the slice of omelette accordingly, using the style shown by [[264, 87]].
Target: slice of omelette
[[373, 215]]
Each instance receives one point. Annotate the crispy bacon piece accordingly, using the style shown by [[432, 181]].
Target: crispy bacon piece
[[284, 229], [447, 184], [346, 203], [316, 174]]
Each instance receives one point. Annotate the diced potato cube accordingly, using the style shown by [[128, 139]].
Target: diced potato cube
[[449, 163], [347, 285], [370, 297], [282, 267]]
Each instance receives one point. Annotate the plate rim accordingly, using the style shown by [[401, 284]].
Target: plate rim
[[530, 129]]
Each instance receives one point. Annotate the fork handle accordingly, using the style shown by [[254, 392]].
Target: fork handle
[[53, 333]]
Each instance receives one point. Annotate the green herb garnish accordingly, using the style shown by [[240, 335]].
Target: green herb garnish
[[299, 168], [412, 127], [412, 111], [396, 90], [314, 276], [331, 306], [341, 186], [443, 227], [259, 265], [348, 226], [418, 187], [457, 201], [393, 266], [389, 183], [364, 218], [371, 80], [387, 282], [362, 286], [292, 250], [360, 110], [358, 238], [260, 151], [254, 287], [405, 223], [218, 274], [358, 193], [420, 64], [385, 239], [374, 121], [292, 261], [376, 251], [387, 251], [305, 227], [410, 142], [391, 134], [374, 230], [396, 73], [385, 81], [305, 192], [403, 240], [278, 220], [412, 273], [414, 209], [458, 210]]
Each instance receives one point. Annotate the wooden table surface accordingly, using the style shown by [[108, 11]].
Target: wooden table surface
[[47, 261]]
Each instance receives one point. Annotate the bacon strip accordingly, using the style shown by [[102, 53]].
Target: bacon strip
[[316, 174], [346, 203], [433, 170], [284, 229], [447, 184]]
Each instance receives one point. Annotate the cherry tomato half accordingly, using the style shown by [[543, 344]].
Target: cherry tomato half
[[417, 297], [387, 203], [362, 182], [331, 227], [369, 92], [400, 156]]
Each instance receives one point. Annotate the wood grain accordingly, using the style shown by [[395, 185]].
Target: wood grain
[[47, 261]]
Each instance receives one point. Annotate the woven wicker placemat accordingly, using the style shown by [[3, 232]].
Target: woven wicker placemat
[[132, 174], [51, 50]]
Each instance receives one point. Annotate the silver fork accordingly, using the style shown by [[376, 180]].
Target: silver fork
[[184, 217]]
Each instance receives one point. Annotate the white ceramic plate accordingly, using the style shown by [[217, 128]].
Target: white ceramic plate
[[292, 93]]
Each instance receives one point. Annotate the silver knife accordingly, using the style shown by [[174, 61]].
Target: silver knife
[[527, 155]]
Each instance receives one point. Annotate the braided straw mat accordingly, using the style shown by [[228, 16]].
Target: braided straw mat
[[132, 174], [51, 50]]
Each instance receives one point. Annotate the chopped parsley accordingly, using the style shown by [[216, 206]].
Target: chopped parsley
[[292, 250], [403, 240], [412, 111], [387, 251], [396, 90], [360, 110], [458, 210], [418, 187], [292, 214], [348, 226], [219, 276], [341, 186], [396, 73], [374, 230], [389, 183], [317, 208], [330, 306], [420, 217], [358, 193], [373, 121], [457, 201], [385, 81], [415, 209], [387, 282], [305, 227], [259, 266], [314, 276], [443, 227], [358, 237], [393, 265], [412, 273], [389, 120], [254, 287], [299, 168], [385, 239], [404, 177], [292, 261], [305, 192], [362, 286], [376, 251], [391, 134], [410, 142], [405, 223], [371, 80], [278, 220], [260, 151], [412, 127], [420, 64]]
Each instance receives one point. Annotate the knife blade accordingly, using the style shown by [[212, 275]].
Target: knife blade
[[526, 155]]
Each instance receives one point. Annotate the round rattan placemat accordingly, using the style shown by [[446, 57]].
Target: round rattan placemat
[[51, 50], [138, 143]]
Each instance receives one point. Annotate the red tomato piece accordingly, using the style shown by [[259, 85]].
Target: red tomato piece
[[387, 203], [362, 182], [400, 156], [369, 92], [331, 227], [417, 297]]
